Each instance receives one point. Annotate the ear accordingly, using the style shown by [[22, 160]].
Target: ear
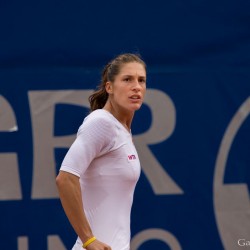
[[109, 87]]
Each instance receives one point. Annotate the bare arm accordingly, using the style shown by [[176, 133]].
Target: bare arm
[[70, 195]]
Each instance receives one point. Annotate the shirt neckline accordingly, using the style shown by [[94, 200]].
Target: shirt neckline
[[117, 121]]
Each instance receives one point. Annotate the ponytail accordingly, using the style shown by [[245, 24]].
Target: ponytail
[[99, 98]]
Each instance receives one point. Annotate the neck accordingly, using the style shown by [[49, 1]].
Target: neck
[[123, 116]]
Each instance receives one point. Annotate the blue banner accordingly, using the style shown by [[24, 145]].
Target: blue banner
[[192, 135]]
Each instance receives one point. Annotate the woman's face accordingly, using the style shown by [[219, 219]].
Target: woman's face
[[129, 87]]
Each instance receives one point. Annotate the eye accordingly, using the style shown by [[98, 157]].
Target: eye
[[127, 79], [142, 80]]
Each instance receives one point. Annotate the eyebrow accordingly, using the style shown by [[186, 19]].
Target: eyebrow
[[133, 76]]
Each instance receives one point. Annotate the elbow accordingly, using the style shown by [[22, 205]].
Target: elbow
[[65, 179], [60, 180]]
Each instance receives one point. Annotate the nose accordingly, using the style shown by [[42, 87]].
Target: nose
[[136, 86]]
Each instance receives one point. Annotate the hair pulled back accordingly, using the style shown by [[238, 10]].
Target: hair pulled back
[[99, 98]]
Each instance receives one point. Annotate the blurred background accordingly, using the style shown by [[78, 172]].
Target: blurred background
[[192, 132]]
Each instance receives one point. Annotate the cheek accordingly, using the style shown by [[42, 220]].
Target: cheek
[[119, 96], [144, 90], [120, 92]]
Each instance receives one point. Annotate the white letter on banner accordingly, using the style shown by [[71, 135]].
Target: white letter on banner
[[231, 201], [10, 188], [22, 243], [42, 105], [163, 124], [54, 242], [155, 234]]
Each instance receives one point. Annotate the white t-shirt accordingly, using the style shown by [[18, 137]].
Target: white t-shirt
[[104, 157]]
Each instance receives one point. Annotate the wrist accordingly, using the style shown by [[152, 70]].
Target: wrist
[[89, 241]]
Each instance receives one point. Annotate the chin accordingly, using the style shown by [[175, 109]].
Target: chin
[[137, 107]]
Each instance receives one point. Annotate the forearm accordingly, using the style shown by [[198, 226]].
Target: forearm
[[70, 195]]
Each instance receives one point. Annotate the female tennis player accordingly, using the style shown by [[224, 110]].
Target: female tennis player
[[98, 175]]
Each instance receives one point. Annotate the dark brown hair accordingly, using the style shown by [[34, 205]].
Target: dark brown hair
[[99, 98]]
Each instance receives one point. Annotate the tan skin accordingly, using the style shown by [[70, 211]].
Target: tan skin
[[126, 95]]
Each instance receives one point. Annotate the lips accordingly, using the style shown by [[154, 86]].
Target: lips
[[135, 97]]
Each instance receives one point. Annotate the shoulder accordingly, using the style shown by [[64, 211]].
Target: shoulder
[[98, 116], [99, 121]]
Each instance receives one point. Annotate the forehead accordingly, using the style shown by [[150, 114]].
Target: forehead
[[133, 68]]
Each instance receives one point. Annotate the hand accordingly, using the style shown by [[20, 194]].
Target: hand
[[98, 245]]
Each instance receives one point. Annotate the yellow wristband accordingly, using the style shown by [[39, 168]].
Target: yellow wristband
[[88, 242]]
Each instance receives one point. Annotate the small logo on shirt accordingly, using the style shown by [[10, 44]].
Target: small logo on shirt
[[131, 157]]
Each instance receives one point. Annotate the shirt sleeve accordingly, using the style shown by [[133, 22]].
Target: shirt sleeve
[[94, 138]]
